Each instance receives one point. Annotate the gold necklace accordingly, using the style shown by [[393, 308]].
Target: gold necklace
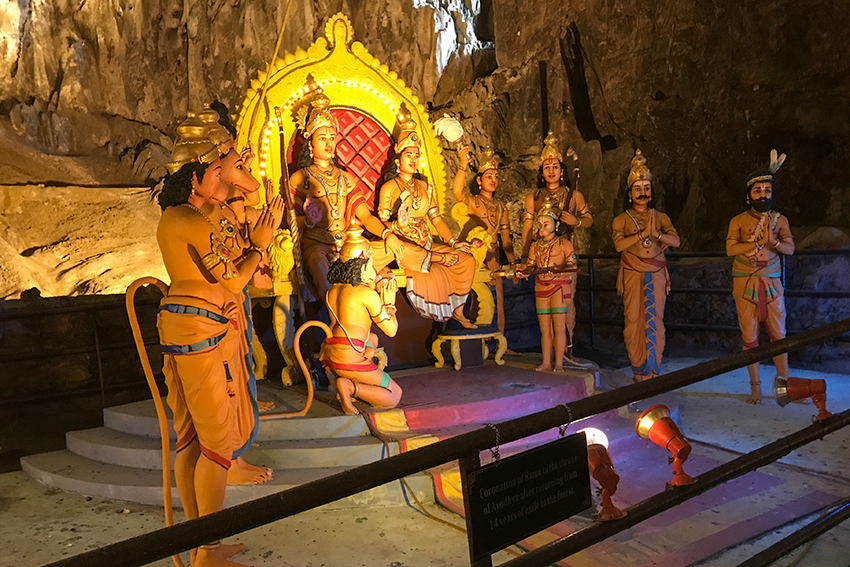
[[220, 253], [416, 197], [544, 252], [492, 206]]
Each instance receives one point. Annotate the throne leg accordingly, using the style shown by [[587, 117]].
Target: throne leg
[[436, 350], [502, 348], [456, 353]]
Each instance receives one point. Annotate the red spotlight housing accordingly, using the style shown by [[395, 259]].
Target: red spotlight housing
[[787, 390], [602, 469], [656, 425]]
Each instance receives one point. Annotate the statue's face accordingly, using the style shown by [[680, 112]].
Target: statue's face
[[489, 180], [545, 226], [211, 189], [641, 191], [761, 196], [552, 170], [408, 161], [323, 143], [235, 175], [368, 273]]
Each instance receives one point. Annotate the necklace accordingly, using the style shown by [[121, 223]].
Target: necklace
[[219, 254], [544, 252], [334, 205], [493, 208], [410, 188], [645, 241]]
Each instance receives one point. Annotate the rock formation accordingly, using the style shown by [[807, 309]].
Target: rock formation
[[705, 90]]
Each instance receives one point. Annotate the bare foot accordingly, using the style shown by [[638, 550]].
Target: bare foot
[[241, 472], [466, 323], [265, 406], [229, 550], [344, 390], [447, 259], [214, 558], [543, 367], [558, 370], [641, 377]]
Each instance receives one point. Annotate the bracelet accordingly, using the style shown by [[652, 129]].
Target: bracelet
[[385, 232], [578, 224], [462, 168], [258, 250], [452, 242]]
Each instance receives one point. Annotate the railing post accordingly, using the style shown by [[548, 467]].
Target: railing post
[[592, 303], [468, 464]]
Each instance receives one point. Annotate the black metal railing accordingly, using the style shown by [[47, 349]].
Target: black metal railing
[[165, 542]]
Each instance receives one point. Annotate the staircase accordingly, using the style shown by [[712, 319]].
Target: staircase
[[122, 460]]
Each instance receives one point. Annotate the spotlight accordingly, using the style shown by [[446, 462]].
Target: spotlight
[[655, 424], [601, 469], [787, 390]]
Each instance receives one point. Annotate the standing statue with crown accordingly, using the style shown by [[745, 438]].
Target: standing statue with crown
[[356, 299], [756, 238], [552, 261], [328, 196], [439, 276], [488, 212], [239, 214], [203, 351], [554, 188], [641, 235]]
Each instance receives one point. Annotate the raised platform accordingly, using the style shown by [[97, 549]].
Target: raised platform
[[121, 459]]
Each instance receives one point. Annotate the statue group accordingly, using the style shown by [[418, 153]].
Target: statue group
[[216, 230]]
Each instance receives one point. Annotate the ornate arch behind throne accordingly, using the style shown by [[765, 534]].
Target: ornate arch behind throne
[[365, 97]]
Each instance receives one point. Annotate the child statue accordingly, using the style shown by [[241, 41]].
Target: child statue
[[552, 260]]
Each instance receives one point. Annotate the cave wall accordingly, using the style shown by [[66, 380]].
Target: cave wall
[[704, 89]]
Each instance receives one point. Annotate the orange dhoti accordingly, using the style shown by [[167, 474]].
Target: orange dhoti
[[207, 388], [643, 283], [759, 298], [436, 290]]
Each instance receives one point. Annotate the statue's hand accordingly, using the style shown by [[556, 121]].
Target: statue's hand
[[248, 157], [260, 234], [387, 291], [395, 245], [275, 205], [569, 218], [463, 153], [463, 247]]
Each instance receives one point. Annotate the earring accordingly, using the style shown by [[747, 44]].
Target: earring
[[630, 198]]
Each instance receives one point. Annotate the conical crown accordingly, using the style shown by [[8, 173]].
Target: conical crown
[[550, 150], [639, 169], [488, 160], [216, 133], [355, 245], [192, 144]]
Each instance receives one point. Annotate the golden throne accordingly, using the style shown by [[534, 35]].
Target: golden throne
[[366, 97]]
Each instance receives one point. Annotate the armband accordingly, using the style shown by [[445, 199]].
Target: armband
[[504, 226], [433, 212], [528, 216]]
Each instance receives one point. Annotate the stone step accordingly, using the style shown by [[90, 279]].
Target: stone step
[[65, 470], [117, 448], [139, 418]]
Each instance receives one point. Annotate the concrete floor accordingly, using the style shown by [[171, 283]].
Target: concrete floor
[[39, 525]]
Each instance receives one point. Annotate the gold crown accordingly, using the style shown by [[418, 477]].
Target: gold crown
[[407, 136], [191, 145], [488, 160], [550, 150], [216, 133], [355, 245], [314, 112], [639, 169]]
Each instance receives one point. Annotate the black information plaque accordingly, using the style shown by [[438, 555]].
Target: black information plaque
[[526, 493]]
